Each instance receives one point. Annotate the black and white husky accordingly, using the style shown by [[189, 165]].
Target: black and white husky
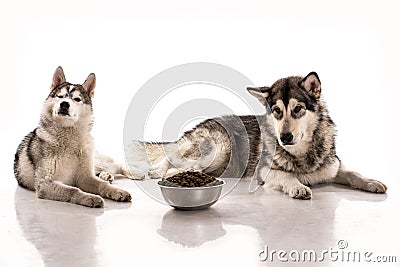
[[302, 131], [57, 159]]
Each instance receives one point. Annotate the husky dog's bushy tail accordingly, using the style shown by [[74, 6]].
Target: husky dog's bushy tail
[[145, 156], [205, 148], [220, 147], [154, 159]]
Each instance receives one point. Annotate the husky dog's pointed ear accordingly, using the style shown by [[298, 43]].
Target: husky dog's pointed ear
[[312, 84], [261, 93], [58, 78], [90, 84]]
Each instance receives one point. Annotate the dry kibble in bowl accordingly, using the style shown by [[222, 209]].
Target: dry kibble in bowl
[[190, 179]]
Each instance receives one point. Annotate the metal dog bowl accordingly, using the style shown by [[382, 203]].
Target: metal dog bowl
[[191, 198]]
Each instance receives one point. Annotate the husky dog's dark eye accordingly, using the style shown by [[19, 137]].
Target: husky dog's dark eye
[[277, 110], [297, 109], [77, 99], [60, 96]]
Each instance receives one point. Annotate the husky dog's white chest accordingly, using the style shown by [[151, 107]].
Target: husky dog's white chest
[[73, 160], [67, 169]]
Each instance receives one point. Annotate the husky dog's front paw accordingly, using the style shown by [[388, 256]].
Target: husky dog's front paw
[[375, 186], [121, 195], [92, 201], [106, 176], [300, 192]]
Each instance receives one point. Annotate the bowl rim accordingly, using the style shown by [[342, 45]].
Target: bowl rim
[[192, 188]]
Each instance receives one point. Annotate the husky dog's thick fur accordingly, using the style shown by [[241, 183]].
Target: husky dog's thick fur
[[302, 130], [57, 159]]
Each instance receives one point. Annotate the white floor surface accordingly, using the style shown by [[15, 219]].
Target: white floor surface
[[233, 232]]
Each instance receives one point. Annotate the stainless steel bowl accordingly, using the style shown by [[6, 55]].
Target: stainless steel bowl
[[191, 198]]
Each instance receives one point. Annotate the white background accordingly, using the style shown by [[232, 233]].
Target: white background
[[353, 45]]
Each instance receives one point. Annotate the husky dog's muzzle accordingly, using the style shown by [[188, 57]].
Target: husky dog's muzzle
[[289, 139], [63, 110], [286, 138]]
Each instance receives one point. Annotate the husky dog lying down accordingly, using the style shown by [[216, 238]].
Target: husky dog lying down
[[57, 159], [302, 130]]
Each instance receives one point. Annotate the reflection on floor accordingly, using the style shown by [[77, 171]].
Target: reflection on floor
[[241, 229]]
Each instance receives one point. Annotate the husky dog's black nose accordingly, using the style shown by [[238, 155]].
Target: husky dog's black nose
[[64, 105], [286, 138]]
